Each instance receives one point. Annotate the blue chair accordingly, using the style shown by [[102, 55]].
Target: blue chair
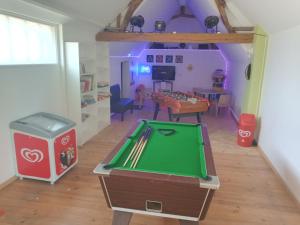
[[118, 104]]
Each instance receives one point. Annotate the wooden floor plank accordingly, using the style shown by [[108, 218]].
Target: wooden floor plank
[[250, 193]]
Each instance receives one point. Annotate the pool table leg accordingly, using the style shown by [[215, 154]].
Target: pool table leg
[[156, 110], [198, 117], [186, 222], [121, 218], [170, 114]]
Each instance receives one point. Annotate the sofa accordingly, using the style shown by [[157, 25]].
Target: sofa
[[118, 104]]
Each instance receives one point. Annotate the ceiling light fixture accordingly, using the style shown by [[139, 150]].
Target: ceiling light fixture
[[211, 24], [137, 21], [160, 26]]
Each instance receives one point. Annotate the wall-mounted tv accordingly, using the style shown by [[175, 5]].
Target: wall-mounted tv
[[163, 73]]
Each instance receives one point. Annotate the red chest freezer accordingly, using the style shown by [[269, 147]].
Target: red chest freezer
[[45, 146]]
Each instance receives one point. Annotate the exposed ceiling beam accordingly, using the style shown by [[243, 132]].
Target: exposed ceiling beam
[[175, 38], [118, 23], [182, 13], [132, 6], [221, 4], [248, 29]]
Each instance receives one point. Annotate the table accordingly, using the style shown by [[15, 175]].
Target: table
[[210, 94], [175, 176], [179, 105]]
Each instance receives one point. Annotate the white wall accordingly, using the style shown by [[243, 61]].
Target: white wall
[[126, 48], [237, 84], [280, 107], [183, 25], [79, 31], [115, 71], [204, 63], [237, 63], [236, 54], [156, 10], [26, 89]]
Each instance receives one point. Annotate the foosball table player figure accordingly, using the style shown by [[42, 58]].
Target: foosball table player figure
[[179, 105]]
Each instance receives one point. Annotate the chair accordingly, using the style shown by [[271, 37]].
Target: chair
[[223, 102], [140, 96], [118, 104]]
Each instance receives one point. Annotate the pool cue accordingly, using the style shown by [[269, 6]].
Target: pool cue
[[139, 147], [139, 144], [132, 152], [142, 148]]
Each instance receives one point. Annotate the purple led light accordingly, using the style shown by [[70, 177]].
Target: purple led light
[[144, 69], [161, 50], [226, 69]]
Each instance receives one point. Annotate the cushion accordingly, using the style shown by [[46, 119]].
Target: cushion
[[115, 93], [122, 105]]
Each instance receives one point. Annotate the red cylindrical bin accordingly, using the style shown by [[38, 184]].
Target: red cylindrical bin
[[247, 125]]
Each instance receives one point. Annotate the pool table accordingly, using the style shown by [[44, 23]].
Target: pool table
[[175, 176]]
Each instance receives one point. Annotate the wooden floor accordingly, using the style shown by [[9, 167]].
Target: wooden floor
[[250, 192]]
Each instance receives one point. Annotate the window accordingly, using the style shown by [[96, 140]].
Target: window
[[26, 42]]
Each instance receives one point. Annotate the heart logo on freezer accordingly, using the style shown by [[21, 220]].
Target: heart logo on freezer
[[244, 133], [32, 155], [65, 140]]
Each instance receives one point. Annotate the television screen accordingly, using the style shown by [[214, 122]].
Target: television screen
[[163, 72]]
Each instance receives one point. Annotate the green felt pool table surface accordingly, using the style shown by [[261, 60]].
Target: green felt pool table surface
[[181, 153]]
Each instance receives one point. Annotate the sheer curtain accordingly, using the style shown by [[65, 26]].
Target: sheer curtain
[[26, 42]]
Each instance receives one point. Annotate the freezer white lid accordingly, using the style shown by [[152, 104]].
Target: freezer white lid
[[43, 124]]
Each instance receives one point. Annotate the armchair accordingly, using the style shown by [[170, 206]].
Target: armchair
[[118, 104]]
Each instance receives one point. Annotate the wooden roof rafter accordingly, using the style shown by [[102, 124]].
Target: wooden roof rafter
[[221, 5], [119, 33], [122, 21], [132, 6], [175, 37]]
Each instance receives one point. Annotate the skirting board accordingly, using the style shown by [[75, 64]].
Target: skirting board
[[269, 162], [9, 181], [234, 116]]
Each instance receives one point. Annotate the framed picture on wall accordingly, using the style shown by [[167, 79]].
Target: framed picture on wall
[[159, 58], [169, 59], [82, 68], [179, 59], [150, 58], [132, 82]]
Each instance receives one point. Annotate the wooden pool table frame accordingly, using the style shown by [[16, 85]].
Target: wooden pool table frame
[[183, 198]]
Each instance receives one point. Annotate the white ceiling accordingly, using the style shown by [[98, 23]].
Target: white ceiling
[[98, 12], [153, 10], [271, 15]]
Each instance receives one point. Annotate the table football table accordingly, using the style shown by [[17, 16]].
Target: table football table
[[180, 105]]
